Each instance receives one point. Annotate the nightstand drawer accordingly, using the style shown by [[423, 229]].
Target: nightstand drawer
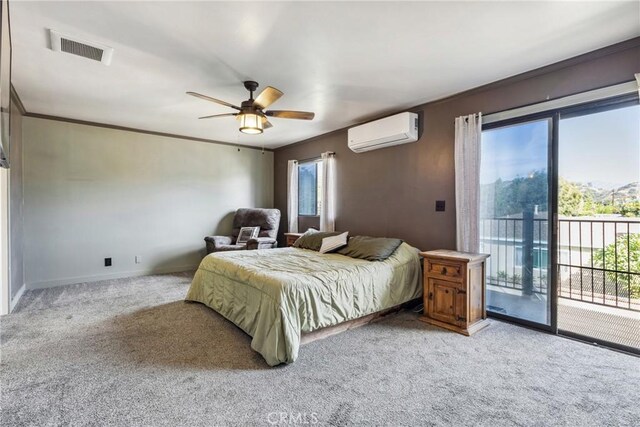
[[445, 269]]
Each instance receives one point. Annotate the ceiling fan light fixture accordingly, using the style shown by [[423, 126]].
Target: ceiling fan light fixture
[[250, 123], [251, 113]]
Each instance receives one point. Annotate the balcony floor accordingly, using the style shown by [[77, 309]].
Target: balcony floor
[[610, 324]]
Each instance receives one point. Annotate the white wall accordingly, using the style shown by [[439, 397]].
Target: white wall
[[16, 237], [92, 193], [5, 297]]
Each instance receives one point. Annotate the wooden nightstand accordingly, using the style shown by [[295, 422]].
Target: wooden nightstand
[[454, 290], [290, 238]]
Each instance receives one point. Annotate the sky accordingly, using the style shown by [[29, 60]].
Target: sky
[[513, 151], [601, 148]]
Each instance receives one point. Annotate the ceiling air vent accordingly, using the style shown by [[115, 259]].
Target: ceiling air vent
[[75, 46]]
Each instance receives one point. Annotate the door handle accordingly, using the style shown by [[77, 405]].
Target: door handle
[[430, 295]]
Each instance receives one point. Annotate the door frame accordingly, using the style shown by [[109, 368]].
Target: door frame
[[583, 110], [554, 115], [552, 118], [5, 288]]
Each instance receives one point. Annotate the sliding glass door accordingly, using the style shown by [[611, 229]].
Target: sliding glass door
[[599, 225], [515, 188], [560, 217]]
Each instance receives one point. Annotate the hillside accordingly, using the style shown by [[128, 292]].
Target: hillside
[[623, 194]]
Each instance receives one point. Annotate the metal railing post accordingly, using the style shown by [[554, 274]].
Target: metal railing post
[[527, 250]]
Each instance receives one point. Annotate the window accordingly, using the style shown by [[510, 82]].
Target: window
[[540, 257], [309, 188]]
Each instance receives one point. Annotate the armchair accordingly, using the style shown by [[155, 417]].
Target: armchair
[[267, 219]]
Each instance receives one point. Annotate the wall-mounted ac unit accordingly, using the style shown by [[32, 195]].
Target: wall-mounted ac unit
[[393, 130]]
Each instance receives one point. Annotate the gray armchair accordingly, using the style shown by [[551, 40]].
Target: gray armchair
[[267, 219]]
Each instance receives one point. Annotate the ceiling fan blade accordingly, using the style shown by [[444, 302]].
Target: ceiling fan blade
[[267, 124], [267, 97], [286, 114], [218, 115], [208, 98]]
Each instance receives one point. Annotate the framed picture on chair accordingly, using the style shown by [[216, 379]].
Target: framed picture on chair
[[247, 233]]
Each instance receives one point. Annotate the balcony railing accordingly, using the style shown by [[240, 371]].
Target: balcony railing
[[598, 259], [506, 239]]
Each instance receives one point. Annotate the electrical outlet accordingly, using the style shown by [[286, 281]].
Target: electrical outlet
[[107, 262], [138, 259], [439, 205]]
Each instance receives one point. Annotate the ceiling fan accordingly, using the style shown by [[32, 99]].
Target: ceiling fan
[[252, 117]]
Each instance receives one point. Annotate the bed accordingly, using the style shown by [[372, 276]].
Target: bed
[[278, 295]]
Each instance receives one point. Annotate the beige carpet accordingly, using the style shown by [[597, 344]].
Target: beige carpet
[[131, 352]]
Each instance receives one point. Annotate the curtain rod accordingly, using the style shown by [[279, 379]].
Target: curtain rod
[[466, 118], [310, 159]]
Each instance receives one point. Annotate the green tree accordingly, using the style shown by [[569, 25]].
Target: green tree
[[607, 209], [624, 255], [572, 201], [631, 209], [521, 193]]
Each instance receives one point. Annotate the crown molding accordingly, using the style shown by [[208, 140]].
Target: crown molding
[[26, 113], [17, 101], [144, 131]]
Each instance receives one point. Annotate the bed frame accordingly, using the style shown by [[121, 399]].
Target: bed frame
[[308, 337]]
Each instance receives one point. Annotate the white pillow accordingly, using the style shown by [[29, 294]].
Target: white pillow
[[333, 242]]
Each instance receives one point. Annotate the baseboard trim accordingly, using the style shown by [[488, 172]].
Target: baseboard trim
[[121, 275], [16, 298]]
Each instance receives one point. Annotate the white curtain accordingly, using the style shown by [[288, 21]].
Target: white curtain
[[292, 196], [328, 208], [467, 170]]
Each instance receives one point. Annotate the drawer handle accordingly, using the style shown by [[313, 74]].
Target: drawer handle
[[444, 270]]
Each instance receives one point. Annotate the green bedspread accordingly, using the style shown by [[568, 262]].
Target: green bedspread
[[276, 294]]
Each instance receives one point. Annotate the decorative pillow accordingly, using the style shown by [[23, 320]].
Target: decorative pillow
[[313, 239], [308, 232], [334, 242], [370, 248], [247, 233]]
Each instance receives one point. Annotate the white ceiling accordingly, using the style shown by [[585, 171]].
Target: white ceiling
[[345, 61]]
